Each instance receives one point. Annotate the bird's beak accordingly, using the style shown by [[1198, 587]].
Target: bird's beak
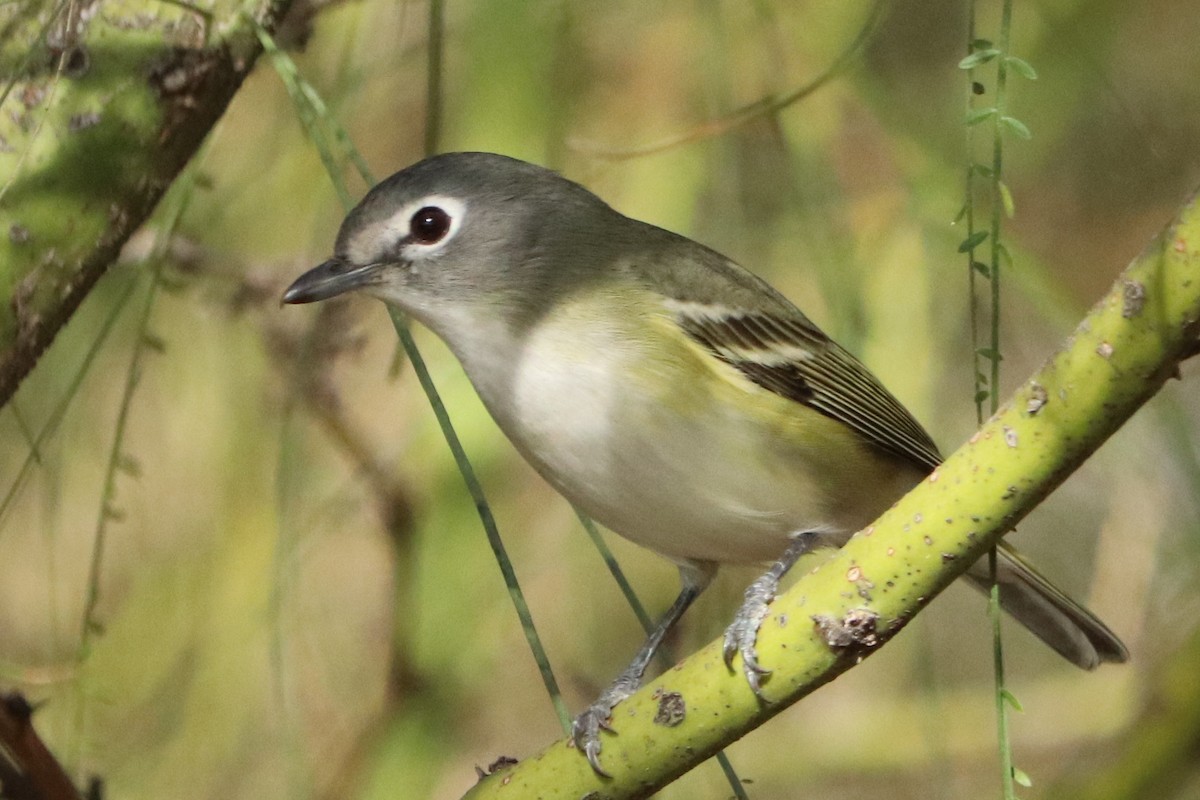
[[330, 279]]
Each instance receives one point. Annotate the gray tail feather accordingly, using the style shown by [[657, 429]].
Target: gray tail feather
[[1070, 629]]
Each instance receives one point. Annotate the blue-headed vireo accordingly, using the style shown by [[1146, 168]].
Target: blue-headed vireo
[[665, 391]]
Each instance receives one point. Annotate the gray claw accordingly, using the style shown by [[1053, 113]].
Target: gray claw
[[742, 633], [585, 730]]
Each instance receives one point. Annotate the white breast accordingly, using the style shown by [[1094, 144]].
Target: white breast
[[689, 474], [686, 476]]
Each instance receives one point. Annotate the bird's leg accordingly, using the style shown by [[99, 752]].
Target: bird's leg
[[742, 633], [587, 726]]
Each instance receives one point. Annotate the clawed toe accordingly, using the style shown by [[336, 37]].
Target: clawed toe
[[742, 633], [740, 638], [585, 730], [586, 734]]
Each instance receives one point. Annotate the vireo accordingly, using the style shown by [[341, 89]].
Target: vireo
[[665, 391]]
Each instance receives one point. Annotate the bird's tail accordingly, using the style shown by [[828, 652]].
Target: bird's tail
[[1070, 629]]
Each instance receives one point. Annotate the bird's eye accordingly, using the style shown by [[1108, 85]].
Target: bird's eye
[[429, 225]]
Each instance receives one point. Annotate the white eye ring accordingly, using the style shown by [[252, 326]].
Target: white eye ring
[[405, 227]]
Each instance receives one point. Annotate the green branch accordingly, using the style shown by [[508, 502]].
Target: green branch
[[1117, 359], [98, 115]]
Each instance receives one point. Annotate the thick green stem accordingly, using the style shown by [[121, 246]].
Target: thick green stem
[[96, 123], [1117, 359]]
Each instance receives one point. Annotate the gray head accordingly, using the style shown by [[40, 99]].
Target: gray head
[[466, 230]]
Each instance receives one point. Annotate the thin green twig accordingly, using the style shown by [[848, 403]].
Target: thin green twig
[[117, 461], [108, 511], [615, 570], [48, 101], [763, 107], [735, 782], [475, 488], [987, 384], [1007, 765], [27, 57], [89, 624], [26, 432], [971, 242], [56, 416], [610, 561], [997, 203], [316, 118]]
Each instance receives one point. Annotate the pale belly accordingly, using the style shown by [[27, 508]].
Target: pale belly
[[692, 476]]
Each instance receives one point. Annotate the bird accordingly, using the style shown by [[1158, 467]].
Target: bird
[[664, 390]]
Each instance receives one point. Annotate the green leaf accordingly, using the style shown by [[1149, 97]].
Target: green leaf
[[1012, 700], [1007, 256], [981, 268], [129, 465], [1022, 68], [978, 115], [962, 212], [172, 284], [981, 395], [982, 169], [1021, 778], [154, 342], [977, 58], [981, 44], [1016, 126], [990, 355], [1006, 199], [972, 241]]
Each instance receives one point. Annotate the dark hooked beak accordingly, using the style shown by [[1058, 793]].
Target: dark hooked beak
[[336, 276]]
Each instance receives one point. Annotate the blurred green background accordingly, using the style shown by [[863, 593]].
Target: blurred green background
[[296, 596]]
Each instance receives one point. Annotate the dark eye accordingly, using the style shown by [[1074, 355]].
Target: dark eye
[[429, 225]]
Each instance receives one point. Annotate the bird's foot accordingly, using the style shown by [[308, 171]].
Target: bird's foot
[[585, 731], [742, 633]]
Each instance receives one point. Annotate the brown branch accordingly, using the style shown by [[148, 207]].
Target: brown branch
[[28, 770]]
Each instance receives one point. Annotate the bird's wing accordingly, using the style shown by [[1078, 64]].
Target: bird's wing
[[744, 322]]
